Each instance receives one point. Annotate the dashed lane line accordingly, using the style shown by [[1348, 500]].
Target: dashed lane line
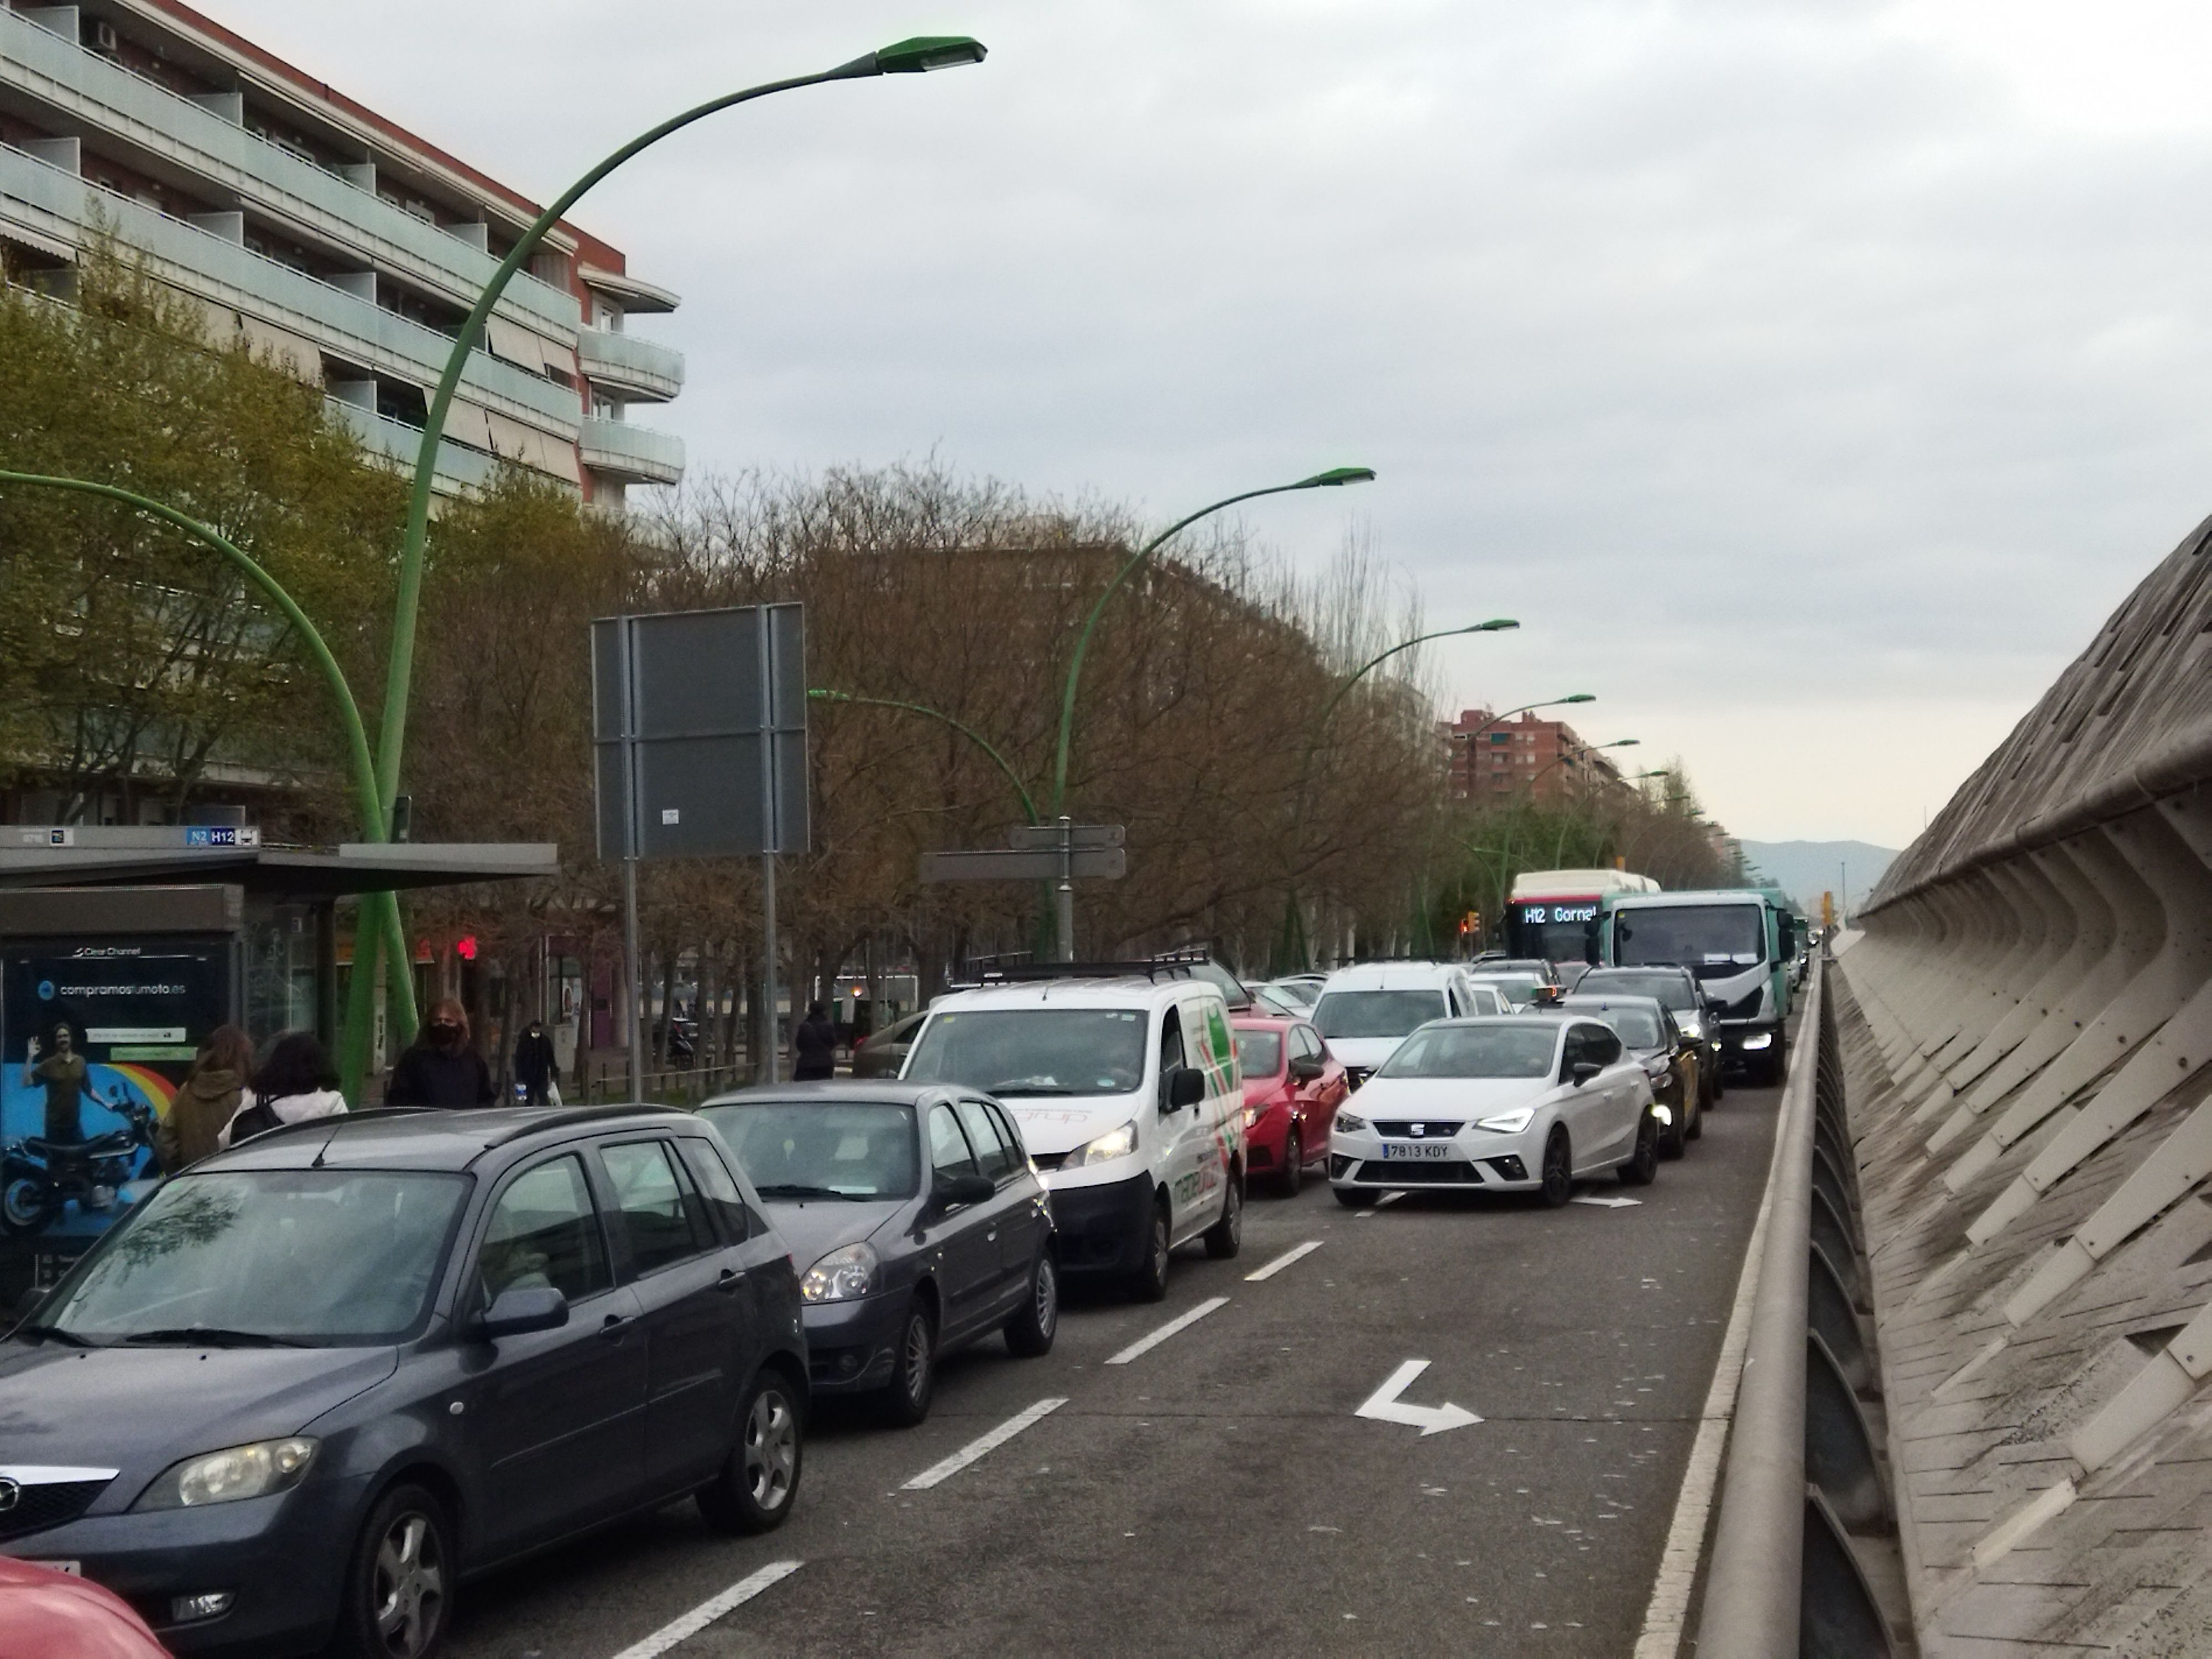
[[983, 1444], [1145, 1345], [1387, 1198], [707, 1611], [1295, 1253]]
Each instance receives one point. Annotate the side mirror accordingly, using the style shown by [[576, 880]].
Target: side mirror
[[1186, 1087], [952, 1191], [522, 1308], [1583, 1071], [1304, 1069]]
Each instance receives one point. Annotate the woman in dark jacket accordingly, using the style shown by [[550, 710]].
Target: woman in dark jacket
[[814, 1046], [441, 1069]]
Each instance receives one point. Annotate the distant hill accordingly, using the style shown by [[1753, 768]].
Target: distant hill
[[1806, 869]]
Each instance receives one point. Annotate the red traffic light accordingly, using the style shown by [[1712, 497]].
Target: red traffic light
[[465, 947]]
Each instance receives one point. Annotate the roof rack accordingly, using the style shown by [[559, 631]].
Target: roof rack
[[989, 972]]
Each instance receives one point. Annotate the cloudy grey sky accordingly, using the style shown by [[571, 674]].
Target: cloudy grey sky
[[1810, 379]]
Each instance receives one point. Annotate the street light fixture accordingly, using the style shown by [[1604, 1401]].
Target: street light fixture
[[1028, 804]]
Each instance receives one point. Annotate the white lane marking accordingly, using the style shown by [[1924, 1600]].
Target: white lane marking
[[1295, 1253], [983, 1443], [1667, 1613], [707, 1611], [1387, 1198], [1146, 1344], [1384, 1405], [1608, 1203]]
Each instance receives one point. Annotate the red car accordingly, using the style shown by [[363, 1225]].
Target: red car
[[1292, 1087], [45, 1615]]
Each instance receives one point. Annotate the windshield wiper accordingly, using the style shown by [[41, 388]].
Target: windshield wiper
[[800, 1189], [214, 1336], [57, 1333]]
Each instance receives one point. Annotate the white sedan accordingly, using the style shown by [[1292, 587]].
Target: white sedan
[[1520, 1104]]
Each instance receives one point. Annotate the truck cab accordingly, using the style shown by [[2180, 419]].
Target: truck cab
[[1738, 942]]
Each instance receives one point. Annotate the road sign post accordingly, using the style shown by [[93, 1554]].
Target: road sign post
[[699, 722], [1061, 854]]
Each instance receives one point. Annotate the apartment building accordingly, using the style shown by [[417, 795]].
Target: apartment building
[[311, 226], [1489, 758]]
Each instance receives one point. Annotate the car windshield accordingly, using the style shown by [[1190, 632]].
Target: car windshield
[[1299, 993], [1514, 988], [1260, 1053], [1638, 1027], [1693, 935], [1499, 1051], [1377, 1014], [318, 1257], [1671, 990], [1033, 1051], [800, 1149]]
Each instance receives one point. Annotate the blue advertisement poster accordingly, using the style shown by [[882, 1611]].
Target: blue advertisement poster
[[95, 1035]]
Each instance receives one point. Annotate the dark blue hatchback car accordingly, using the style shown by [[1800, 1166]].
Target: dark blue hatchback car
[[316, 1381]]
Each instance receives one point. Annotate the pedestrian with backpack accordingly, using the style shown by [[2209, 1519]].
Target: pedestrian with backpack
[[297, 1082], [213, 1093]]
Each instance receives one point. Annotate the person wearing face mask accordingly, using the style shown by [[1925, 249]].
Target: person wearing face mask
[[533, 1063], [441, 1069], [66, 1077]]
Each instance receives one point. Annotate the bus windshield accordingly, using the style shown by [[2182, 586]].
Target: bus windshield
[[1691, 935]]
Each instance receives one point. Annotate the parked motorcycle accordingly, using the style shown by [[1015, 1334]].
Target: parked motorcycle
[[38, 1176]]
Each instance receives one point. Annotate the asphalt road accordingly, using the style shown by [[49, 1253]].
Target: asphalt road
[[1217, 1494]]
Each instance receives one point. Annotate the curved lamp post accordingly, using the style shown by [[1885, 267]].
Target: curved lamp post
[[363, 768], [1029, 805], [916, 56], [1334, 477]]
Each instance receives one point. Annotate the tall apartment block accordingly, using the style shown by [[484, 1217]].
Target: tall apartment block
[[314, 228]]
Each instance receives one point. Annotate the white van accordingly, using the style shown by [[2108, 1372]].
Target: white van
[[1129, 1098], [1366, 1011]]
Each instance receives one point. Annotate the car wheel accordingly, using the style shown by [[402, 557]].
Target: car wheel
[[27, 1205], [759, 1479], [1151, 1282], [1226, 1236], [1558, 1172], [1355, 1198], [1672, 1137], [1720, 1078], [914, 1375], [1029, 1333], [1293, 1174], [399, 1586], [1695, 1128], [1643, 1165]]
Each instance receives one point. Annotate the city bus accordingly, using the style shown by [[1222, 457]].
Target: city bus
[[1551, 911]]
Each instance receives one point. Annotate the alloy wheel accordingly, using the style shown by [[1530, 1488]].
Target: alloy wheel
[[408, 1586], [1045, 1294], [771, 1452]]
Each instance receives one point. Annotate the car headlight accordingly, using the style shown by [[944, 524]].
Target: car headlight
[[1350, 1122], [1691, 1025], [1114, 1143], [846, 1274], [1509, 1123], [1765, 1039], [226, 1477]]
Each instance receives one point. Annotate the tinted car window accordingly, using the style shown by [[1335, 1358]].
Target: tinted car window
[[720, 1188], [1473, 1051], [949, 1154], [1260, 1053], [544, 1229], [993, 1157], [1600, 1045], [822, 1149], [1012, 1136], [666, 1222], [1377, 1014]]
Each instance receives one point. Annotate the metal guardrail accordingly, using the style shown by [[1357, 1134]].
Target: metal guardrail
[[1804, 1491]]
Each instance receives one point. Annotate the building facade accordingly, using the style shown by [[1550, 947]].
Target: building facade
[[1489, 759], [313, 227]]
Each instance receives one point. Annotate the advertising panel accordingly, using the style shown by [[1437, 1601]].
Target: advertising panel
[[89, 1028]]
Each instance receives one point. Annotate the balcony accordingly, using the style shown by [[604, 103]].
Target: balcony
[[635, 454], [60, 206], [108, 98], [395, 440], [637, 371]]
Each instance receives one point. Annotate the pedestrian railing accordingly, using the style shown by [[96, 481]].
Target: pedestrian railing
[[1805, 1510]]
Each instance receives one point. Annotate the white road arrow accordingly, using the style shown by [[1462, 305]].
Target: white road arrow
[[1609, 1203], [1384, 1405]]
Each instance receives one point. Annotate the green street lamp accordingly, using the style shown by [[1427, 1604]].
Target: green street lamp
[[374, 918], [1021, 789], [917, 55], [1495, 625], [1334, 478]]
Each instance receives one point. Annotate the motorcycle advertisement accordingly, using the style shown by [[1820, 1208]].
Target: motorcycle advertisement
[[95, 1035]]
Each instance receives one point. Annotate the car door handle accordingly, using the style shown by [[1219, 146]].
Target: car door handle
[[727, 1280], [991, 1233], [614, 1327]]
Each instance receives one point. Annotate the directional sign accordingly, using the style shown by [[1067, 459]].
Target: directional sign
[[1093, 864], [1608, 1203], [1384, 1405], [1080, 835]]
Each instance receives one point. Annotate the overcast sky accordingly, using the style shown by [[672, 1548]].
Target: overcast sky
[[1810, 379]]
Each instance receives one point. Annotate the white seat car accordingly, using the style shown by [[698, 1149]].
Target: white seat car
[[1366, 1011], [1129, 1101], [1527, 1103]]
